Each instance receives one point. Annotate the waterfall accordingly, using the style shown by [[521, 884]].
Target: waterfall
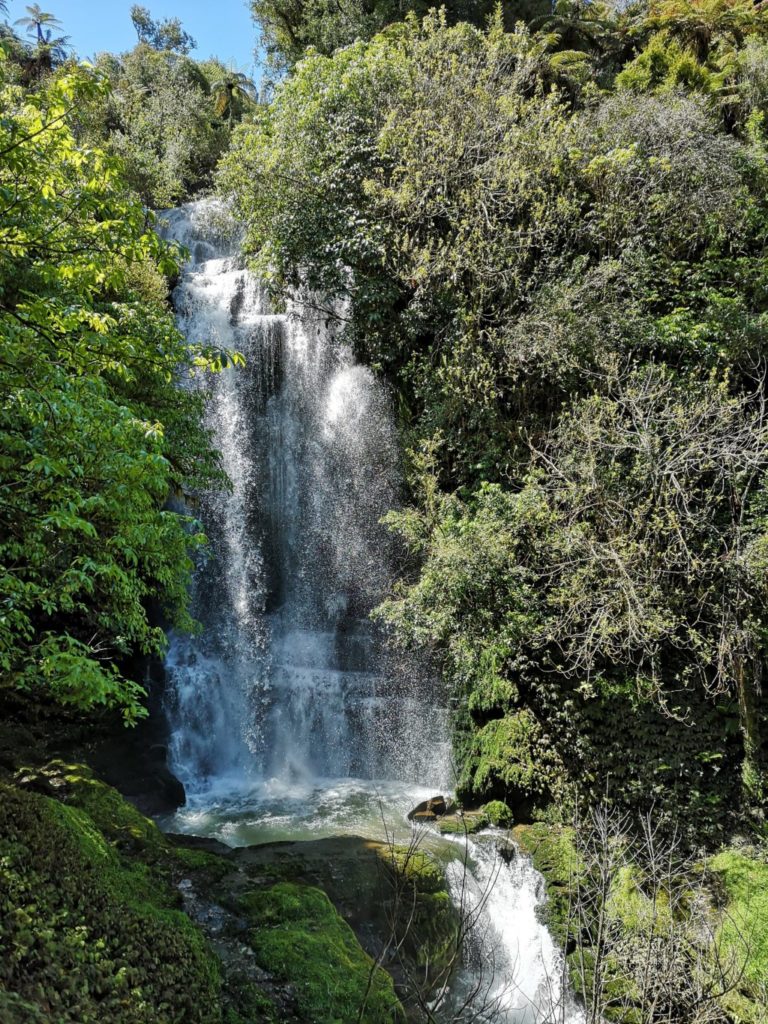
[[289, 678], [289, 718]]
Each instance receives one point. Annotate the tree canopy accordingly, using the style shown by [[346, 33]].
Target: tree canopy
[[96, 434], [290, 28], [167, 34]]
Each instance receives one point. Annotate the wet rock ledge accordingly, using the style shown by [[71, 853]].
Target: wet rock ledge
[[450, 819]]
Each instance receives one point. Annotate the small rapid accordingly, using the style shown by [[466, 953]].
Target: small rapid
[[290, 718], [511, 962]]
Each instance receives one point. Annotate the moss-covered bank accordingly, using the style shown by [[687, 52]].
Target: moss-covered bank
[[296, 935], [90, 922], [394, 898], [742, 935], [552, 850], [103, 919]]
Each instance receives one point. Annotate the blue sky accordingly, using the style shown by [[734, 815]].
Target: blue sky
[[222, 28]]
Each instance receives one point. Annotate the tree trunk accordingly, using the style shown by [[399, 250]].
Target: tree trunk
[[752, 774]]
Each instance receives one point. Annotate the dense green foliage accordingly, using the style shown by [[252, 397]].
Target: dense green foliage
[[649, 934], [550, 240], [163, 116], [166, 115], [96, 434], [289, 28]]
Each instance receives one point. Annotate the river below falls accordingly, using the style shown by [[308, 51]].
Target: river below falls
[[509, 956]]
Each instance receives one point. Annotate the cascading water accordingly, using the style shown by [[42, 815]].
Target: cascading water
[[288, 680], [288, 716], [510, 959]]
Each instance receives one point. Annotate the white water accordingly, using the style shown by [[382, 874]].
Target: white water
[[289, 718], [510, 958]]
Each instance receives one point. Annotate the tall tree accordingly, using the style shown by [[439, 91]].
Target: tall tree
[[232, 93], [167, 34], [50, 50], [39, 23]]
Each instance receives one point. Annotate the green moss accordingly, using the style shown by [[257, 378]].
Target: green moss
[[416, 867], [117, 819], [498, 813], [629, 914], [85, 935], [379, 890], [632, 909], [110, 813], [92, 927], [208, 865], [136, 859], [466, 823], [552, 850], [427, 924], [619, 991], [741, 942], [743, 932], [301, 939]]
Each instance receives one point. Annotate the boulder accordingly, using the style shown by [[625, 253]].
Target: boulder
[[139, 770], [429, 810], [499, 814], [463, 823], [395, 899]]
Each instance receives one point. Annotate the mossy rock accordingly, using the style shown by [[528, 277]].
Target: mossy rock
[[416, 867], [105, 875], [298, 936], [552, 850], [498, 813], [247, 1004], [632, 910], [119, 821], [376, 888], [581, 971], [427, 925], [619, 993], [93, 926], [463, 823]]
